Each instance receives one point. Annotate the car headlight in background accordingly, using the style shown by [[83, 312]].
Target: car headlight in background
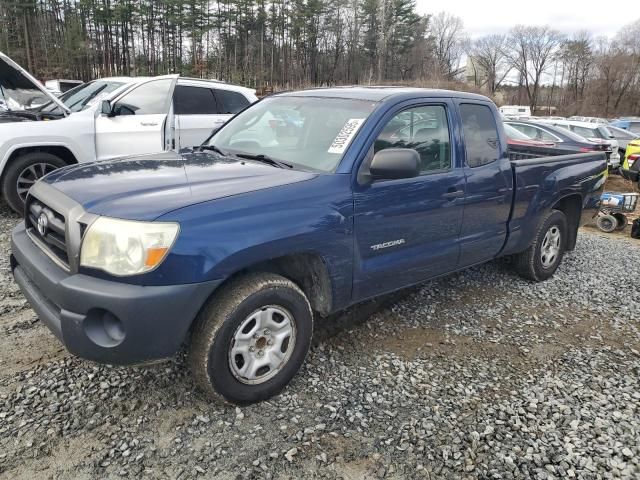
[[125, 247]]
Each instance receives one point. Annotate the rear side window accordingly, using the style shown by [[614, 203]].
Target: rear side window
[[480, 134], [585, 132], [189, 100], [147, 99], [232, 102]]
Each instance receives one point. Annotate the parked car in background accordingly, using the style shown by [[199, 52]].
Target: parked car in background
[[58, 87], [516, 137], [594, 133], [236, 248], [596, 120], [632, 154], [515, 110], [631, 124], [101, 120], [623, 137], [561, 138]]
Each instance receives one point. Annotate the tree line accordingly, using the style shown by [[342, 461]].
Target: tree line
[[284, 44]]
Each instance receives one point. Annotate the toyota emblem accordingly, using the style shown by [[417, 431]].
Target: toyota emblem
[[43, 224]]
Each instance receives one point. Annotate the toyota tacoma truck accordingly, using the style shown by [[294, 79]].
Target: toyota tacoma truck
[[301, 205], [100, 120]]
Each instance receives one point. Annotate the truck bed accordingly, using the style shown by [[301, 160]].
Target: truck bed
[[542, 182]]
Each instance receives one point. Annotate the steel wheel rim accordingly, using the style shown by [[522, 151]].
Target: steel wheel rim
[[31, 175], [550, 248], [262, 345]]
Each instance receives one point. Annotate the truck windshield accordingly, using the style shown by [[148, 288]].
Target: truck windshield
[[309, 132]]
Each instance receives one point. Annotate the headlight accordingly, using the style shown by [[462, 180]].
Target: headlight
[[123, 247]]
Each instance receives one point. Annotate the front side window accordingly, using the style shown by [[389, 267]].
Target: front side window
[[527, 130], [547, 137], [424, 129], [148, 99], [605, 132], [188, 100], [480, 134], [232, 102], [312, 133]]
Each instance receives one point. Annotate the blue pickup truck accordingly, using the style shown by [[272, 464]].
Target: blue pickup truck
[[303, 204]]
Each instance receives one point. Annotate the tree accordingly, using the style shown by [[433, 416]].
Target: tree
[[531, 51], [489, 55], [448, 38]]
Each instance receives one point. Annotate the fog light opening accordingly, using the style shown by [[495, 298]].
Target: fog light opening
[[103, 328]]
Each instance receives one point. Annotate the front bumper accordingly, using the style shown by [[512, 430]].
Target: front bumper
[[101, 320]]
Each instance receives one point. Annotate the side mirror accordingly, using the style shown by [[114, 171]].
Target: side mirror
[[394, 163], [105, 108]]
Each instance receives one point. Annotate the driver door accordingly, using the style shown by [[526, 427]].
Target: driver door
[[138, 123]]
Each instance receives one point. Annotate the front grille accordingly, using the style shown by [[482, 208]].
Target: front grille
[[54, 237]]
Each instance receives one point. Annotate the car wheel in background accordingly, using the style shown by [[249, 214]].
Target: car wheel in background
[[542, 258], [251, 338], [607, 223], [22, 172], [621, 221]]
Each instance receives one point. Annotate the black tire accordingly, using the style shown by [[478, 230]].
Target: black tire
[[15, 169], [529, 264], [219, 321], [606, 223], [621, 221]]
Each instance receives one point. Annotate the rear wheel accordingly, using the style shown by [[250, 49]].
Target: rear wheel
[[542, 258], [607, 223], [251, 339], [21, 173]]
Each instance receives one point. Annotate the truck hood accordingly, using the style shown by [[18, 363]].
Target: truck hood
[[19, 90], [147, 186]]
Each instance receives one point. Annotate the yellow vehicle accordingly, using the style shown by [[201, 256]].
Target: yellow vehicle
[[632, 153]]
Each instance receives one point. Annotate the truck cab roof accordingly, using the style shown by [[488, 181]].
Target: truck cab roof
[[382, 93]]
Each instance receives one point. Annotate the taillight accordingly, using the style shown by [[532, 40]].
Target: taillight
[[631, 159], [585, 149]]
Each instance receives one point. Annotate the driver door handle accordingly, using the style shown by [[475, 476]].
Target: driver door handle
[[453, 194], [149, 124]]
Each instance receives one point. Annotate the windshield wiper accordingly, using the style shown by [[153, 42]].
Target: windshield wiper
[[265, 159], [213, 148]]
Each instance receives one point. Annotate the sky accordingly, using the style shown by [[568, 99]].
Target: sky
[[568, 16]]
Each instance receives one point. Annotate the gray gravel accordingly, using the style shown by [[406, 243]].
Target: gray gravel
[[477, 375]]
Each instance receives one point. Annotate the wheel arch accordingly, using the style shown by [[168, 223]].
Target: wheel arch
[[61, 151], [308, 270], [571, 206]]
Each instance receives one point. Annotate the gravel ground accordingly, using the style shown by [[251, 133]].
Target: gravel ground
[[477, 375]]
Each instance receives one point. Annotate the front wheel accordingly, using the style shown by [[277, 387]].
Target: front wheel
[[542, 258], [21, 173], [251, 339]]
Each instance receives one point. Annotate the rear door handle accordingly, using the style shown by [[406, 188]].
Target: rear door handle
[[453, 195], [149, 124]]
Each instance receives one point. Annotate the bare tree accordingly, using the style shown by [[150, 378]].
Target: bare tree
[[446, 32], [490, 62], [531, 52]]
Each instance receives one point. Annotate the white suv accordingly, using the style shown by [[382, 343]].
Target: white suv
[[102, 119]]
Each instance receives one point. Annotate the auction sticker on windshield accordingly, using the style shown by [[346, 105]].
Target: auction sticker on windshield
[[346, 133]]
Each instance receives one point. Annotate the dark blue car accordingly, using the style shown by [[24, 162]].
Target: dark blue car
[[238, 246]]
